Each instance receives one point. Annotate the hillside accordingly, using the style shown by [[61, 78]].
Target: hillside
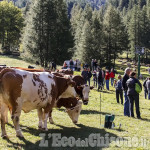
[[91, 121]]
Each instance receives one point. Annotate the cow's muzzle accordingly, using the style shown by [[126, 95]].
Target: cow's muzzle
[[85, 102], [75, 122]]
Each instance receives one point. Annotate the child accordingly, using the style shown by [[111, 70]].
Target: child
[[95, 78], [119, 90]]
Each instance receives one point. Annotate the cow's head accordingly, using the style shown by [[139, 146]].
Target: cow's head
[[75, 112], [85, 93]]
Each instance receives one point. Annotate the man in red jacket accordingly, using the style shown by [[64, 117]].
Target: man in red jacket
[[107, 77], [112, 75]]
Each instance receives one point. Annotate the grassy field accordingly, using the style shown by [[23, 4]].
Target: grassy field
[[91, 121]]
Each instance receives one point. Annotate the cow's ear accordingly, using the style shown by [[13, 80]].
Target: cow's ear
[[80, 87], [91, 87]]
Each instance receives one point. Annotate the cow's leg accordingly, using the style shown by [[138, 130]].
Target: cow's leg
[[50, 118], [45, 120], [47, 109], [4, 109], [40, 115], [16, 112]]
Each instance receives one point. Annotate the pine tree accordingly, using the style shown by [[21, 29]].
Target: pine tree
[[11, 24], [134, 29], [114, 35], [47, 32]]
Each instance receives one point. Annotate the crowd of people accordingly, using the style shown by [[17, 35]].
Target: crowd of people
[[100, 77], [73, 65], [123, 85]]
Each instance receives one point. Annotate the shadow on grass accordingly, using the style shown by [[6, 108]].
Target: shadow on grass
[[145, 119], [89, 112], [81, 132]]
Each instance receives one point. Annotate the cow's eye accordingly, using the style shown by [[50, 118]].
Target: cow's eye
[[77, 111]]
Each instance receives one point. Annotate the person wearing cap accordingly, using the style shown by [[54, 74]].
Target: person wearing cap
[[133, 96]]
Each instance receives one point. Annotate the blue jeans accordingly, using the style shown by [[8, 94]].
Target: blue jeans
[[126, 105], [112, 81], [89, 81], [149, 95], [107, 84]]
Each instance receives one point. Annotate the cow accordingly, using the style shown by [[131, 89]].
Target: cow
[[72, 105], [23, 90], [66, 71], [81, 89]]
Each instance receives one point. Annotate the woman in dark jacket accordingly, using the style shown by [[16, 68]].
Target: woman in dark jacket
[[133, 95]]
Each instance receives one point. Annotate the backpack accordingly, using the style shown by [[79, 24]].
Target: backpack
[[109, 120], [119, 85], [138, 88]]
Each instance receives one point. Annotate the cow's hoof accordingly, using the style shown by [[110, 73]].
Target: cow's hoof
[[20, 135], [5, 136], [51, 122], [40, 128], [45, 129]]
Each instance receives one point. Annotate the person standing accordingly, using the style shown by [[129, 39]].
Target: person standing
[[133, 95], [78, 65], [65, 65], [92, 64], [86, 65], [100, 79], [145, 88], [95, 64], [107, 77], [119, 91], [148, 87], [89, 75], [125, 88], [112, 75], [71, 64], [95, 78], [53, 66], [103, 76], [84, 74]]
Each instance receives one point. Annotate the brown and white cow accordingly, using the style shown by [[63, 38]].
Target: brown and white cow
[[73, 108], [81, 89], [22, 90], [65, 71]]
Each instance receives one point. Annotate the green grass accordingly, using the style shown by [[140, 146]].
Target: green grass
[[89, 121]]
